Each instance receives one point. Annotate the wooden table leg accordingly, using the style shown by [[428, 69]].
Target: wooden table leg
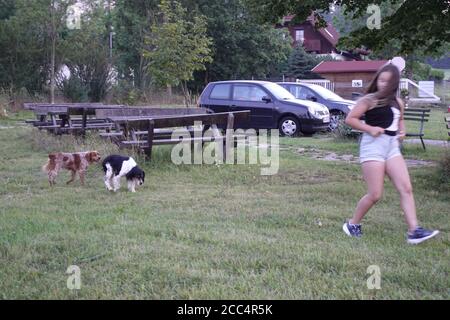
[[151, 128], [229, 143], [84, 121], [53, 118]]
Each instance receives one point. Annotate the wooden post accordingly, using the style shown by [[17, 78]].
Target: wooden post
[[151, 129], [84, 121], [218, 138], [229, 143], [53, 117]]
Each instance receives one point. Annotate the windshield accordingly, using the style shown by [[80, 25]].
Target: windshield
[[278, 91], [325, 93]]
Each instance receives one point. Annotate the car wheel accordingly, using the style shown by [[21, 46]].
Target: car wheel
[[289, 126], [336, 119]]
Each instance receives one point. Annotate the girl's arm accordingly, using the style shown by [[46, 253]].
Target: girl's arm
[[401, 123]]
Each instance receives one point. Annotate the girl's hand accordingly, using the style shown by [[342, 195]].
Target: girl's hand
[[376, 131], [401, 135]]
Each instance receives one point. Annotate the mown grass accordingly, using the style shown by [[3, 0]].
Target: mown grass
[[211, 232]]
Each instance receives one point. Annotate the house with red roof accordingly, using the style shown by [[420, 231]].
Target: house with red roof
[[321, 41], [349, 77]]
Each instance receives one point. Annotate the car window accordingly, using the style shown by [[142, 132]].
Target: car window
[[220, 91], [298, 92], [248, 93], [325, 93], [278, 91], [301, 92]]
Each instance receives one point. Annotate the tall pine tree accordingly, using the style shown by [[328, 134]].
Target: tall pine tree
[[300, 64]]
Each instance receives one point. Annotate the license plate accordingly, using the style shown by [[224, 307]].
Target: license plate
[[326, 119]]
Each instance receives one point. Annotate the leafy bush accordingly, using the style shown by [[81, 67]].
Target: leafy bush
[[344, 132], [125, 93], [437, 75], [75, 90], [404, 93]]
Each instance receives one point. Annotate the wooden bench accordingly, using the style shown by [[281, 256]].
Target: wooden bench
[[151, 124], [420, 115], [33, 106], [67, 124], [412, 114], [148, 111], [447, 120], [119, 135], [47, 117]]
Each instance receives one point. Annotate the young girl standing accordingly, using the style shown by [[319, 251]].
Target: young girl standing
[[380, 152]]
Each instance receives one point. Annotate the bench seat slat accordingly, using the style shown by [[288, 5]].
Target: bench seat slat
[[111, 134], [415, 119], [144, 143], [414, 134]]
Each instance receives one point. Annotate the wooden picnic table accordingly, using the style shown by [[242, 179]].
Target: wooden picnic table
[[65, 111], [141, 111], [149, 125], [84, 111]]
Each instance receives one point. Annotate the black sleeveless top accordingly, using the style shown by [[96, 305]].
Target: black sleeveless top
[[380, 117]]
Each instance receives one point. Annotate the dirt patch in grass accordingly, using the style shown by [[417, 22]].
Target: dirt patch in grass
[[350, 158]]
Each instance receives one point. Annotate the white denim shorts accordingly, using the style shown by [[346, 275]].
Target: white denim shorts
[[379, 148]]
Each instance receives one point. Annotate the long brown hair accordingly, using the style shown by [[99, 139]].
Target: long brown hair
[[389, 97]]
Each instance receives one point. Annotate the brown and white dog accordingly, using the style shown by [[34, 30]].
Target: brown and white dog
[[75, 162]]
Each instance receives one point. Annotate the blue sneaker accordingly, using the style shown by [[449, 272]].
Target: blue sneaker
[[352, 230], [420, 235]]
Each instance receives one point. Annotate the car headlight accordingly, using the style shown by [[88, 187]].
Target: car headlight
[[318, 112]]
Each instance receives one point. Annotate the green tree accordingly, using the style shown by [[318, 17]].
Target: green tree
[[7, 9], [415, 24], [132, 21], [300, 64], [242, 48], [29, 33], [178, 46], [85, 52]]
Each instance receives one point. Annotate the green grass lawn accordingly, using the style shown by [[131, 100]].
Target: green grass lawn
[[213, 232]]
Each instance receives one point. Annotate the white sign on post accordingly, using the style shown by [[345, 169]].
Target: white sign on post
[[357, 83]]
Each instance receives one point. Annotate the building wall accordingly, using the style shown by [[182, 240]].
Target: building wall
[[343, 82], [314, 41]]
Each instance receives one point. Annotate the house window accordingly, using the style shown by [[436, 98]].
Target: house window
[[300, 36]]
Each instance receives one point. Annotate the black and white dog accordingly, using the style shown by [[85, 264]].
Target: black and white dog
[[116, 166]]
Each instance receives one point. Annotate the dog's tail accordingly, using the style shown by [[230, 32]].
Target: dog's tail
[[50, 165]]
